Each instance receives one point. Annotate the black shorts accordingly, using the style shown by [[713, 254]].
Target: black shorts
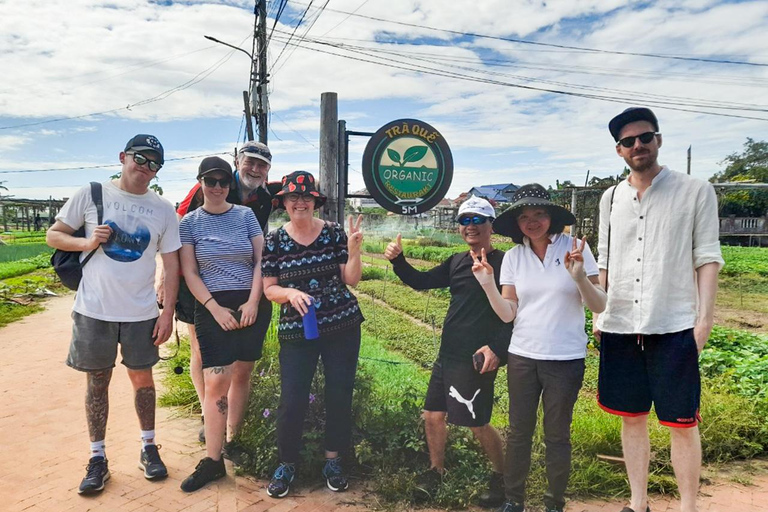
[[458, 389], [185, 304], [637, 371], [221, 348]]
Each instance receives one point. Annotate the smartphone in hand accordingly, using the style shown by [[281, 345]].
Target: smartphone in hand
[[478, 360]]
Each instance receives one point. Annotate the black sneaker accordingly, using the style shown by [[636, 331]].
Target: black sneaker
[[151, 464], [334, 475], [427, 485], [493, 496], [553, 509], [235, 452], [281, 481], [96, 473], [627, 509], [207, 470], [511, 506]]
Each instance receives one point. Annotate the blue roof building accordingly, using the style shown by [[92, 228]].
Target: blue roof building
[[501, 193]]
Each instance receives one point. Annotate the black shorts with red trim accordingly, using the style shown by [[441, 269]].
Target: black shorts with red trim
[[638, 371]]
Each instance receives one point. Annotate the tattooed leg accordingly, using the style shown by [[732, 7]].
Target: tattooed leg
[[145, 407], [97, 403], [144, 397], [215, 408]]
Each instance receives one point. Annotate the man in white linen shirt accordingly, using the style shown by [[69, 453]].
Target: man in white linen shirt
[[661, 275]]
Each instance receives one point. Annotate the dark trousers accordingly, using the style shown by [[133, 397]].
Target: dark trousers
[[558, 384], [298, 363]]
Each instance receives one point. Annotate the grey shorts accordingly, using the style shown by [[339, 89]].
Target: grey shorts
[[94, 344]]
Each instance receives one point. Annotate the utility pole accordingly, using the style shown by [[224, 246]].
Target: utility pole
[[259, 75]]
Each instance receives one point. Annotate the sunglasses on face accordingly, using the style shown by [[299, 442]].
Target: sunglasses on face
[[645, 138], [211, 182], [292, 198], [477, 219], [141, 160]]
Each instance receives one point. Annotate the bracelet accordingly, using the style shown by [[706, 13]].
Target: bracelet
[[207, 301]]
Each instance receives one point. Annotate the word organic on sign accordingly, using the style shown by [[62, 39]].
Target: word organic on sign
[[407, 166]]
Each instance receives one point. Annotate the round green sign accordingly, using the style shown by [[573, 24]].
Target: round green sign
[[407, 166]]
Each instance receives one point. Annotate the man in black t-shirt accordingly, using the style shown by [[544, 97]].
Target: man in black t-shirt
[[473, 345]]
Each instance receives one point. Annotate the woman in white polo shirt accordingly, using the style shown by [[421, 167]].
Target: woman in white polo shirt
[[545, 281]]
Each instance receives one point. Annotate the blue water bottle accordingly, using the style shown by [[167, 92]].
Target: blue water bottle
[[310, 322]]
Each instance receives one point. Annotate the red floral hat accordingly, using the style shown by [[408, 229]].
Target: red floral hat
[[299, 182]]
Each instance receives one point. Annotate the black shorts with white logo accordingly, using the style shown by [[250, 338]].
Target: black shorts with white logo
[[638, 371], [458, 389]]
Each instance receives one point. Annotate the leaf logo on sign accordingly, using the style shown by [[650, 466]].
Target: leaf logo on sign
[[412, 154]]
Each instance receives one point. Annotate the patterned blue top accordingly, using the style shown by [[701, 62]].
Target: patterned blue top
[[223, 246], [315, 270]]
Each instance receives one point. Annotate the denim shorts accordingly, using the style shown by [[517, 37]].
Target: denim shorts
[[94, 344]]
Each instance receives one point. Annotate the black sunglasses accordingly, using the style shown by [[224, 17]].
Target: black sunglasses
[[141, 160], [477, 219], [211, 182], [645, 138]]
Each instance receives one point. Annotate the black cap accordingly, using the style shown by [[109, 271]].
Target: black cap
[[214, 163], [631, 115], [144, 142]]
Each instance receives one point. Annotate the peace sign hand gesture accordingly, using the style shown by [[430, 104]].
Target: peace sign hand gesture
[[482, 270], [574, 259], [355, 236]]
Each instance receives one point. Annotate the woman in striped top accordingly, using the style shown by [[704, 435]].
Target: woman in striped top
[[221, 260]]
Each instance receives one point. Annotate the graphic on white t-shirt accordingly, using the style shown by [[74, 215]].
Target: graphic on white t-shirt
[[126, 245], [455, 394]]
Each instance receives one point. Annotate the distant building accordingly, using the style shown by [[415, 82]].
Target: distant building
[[359, 202], [501, 193]]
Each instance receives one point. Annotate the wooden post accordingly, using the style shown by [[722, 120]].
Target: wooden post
[[248, 118], [329, 154], [343, 153]]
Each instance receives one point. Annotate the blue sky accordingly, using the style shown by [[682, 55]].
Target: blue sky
[[65, 58]]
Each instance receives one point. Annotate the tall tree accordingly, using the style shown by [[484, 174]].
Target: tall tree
[[751, 165]]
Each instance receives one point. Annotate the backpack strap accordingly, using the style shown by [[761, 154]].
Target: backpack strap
[[97, 200], [608, 253]]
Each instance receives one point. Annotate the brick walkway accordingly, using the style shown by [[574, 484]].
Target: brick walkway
[[44, 445]]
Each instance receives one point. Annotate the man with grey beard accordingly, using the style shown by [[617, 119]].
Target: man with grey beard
[[249, 188]]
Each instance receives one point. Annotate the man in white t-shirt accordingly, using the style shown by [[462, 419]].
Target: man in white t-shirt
[[116, 301], [659, 259]]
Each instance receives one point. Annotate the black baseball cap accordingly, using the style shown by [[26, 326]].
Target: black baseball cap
[[144, 142], [214, 163], [631, 115]]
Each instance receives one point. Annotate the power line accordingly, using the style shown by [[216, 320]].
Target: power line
[[538, 43], [291, 36], [417, 68], [345, 19]]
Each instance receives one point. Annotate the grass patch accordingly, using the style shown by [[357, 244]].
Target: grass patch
[[744, 260], [424, 306], [23, 251], [25, 266], [25, 285]]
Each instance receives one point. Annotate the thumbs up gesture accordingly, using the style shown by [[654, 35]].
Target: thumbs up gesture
[[394, 249]]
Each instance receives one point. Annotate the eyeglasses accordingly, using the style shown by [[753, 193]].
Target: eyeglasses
[[645, 138], [477, 219], [222, 182], [292, 198], [141, 160]]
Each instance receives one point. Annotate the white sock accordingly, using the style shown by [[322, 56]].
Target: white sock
[[147, 437], [97, 449]]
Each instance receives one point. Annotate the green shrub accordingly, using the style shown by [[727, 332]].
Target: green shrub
[[21, 267], [23, 251]]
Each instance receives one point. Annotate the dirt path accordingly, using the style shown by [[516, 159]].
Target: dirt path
[[44, 445]]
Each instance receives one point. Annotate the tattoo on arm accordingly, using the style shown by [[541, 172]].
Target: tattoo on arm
[[145, 407], [222, 404], [97, 403]]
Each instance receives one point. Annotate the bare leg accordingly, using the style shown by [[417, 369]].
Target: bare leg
[[492, 444], [239, 389], [196, 365], [437, 434], [637, 453], [215, 408], [686, 460], [97, 403]]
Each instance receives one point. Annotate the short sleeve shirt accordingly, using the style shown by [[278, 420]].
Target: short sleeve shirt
[[118, 282], [550, 317], [315, 270], [223, 246]]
